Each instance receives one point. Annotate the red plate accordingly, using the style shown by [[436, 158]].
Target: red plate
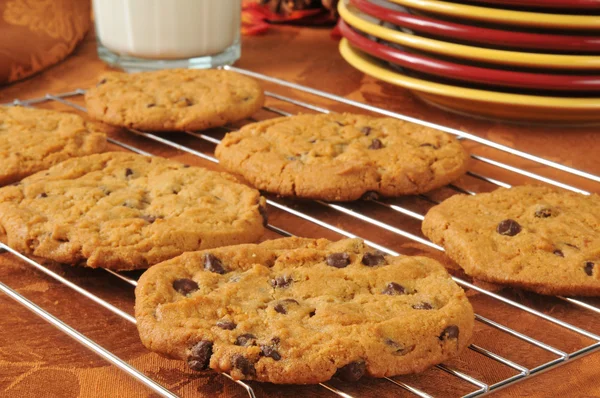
[[561, 4], [468, 73], [587, 44]]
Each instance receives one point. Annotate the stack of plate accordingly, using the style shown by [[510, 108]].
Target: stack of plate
[[494, 59]]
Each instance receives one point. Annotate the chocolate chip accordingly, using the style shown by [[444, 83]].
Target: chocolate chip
[[372, 259], [43, 195], [422, 306], [400, 350], [589, 268], [281, 282], [366, 130], [544, 212], [128, 172], [376, 144], [338, 260], [148, 218], [370, 195], [270, 351], [242, 363], [393, 289], [150, 105], [101, 82], [451, 332], [508, 228], [351, 372], [312, 313], [186, 166], [185, 286], [245, 340], [187, 101], [275, 340], [213, 264], [200, 355], [263, 212], [281, 307], [226, 325], [559, 253]]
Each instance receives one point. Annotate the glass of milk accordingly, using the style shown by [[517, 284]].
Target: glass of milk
[[159, 34]]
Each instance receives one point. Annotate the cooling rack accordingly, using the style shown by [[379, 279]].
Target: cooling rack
[[555, 338]]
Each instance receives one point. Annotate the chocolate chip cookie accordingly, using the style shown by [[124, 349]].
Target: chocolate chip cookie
[[124, 211], [301, 311], [35, 139], [174, 99], [533, 237], [342, 156]]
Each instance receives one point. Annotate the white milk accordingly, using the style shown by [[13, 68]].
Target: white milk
[[167, 29]]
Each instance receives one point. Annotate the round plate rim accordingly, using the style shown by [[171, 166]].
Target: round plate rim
[[448, 29], [378, 50], [469, 52], [365, 65], [522, 18]]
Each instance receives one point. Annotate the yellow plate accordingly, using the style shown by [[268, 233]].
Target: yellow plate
[[363, 22], [522, 18], [489, 104]]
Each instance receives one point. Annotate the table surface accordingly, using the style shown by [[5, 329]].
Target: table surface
[[38, 360]]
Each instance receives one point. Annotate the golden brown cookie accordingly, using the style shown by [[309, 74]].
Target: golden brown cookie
[[123, 211], [537, 238], [342, 156], [174, 99], [302, 310], [35, 139]]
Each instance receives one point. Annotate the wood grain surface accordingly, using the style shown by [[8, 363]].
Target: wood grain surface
[[37, 360]]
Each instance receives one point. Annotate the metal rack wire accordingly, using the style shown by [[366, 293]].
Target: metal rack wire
[[478, 387]]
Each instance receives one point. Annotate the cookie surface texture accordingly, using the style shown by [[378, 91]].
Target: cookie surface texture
[[173, 100], [532, 237], [301, 311], [36, 139], [342, 156], [124, 211]]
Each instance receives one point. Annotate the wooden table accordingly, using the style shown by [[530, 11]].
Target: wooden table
[[38, 360]]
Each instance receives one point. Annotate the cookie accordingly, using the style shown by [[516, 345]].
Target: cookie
[[532, 237], [301, 311], [123, 211], [342, 156], [35, 139], [175, 99]]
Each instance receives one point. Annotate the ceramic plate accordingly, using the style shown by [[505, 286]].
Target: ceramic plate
[[510, 17], [546, 4], [482, 103], [368, 24], [504, 38], [469, 73]]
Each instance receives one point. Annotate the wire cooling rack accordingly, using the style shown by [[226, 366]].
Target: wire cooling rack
[[557, 341]]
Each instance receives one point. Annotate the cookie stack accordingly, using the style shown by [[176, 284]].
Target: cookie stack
[[289, 310]]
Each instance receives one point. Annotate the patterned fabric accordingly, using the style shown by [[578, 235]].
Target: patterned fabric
[[39, 33]]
